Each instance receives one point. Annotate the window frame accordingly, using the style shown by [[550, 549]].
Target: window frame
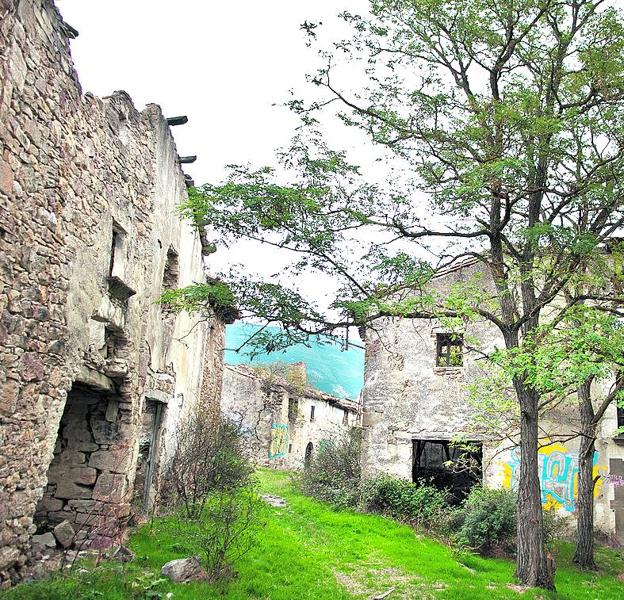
[[449, 341]]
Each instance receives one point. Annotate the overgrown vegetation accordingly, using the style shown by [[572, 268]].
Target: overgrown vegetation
[[334, 473], [486, 521], [310, 551], [422, 504], [207, 484], [292, 375]]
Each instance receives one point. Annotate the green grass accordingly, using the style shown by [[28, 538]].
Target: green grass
[[309, 551]]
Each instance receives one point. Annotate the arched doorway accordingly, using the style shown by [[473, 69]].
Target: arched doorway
[[308, 453]]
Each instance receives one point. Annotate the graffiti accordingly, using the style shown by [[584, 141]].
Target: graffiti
[[279, 441], [615, 480], [558, 471]]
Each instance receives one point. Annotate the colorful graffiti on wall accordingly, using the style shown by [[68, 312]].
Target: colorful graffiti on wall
[[558, 470], [279, 441]]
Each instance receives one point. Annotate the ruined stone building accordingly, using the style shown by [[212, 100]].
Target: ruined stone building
[[94, 373], [417, 374], [284, 420]]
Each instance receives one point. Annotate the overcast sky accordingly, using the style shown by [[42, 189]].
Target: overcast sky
[[223, 64]]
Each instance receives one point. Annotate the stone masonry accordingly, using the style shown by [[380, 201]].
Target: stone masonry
[[94, 373]]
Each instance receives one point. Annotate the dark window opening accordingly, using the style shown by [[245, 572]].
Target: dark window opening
[[289, 448], [171, 274], [293, 409], [345, 417], [116, 266], [620, 417], [114, 248], [456, 467], [312, 413], [449, 350], [170, 281]]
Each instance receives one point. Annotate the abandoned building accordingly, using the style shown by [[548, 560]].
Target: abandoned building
[[283, 418], [94, 373], [414, 404]]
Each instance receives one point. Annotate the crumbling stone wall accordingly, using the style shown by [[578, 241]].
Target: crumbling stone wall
[[408, 397], [277, 415], [88, 189]]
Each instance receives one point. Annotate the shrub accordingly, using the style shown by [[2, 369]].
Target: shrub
[[225, 531], [208, 457], [207, 481], [333, 474], [402, 499], [487, 520]]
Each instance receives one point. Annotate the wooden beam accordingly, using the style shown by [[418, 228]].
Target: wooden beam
[[181, 120]]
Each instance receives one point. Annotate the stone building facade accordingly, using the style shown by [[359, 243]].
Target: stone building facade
[[417, 374], [94, 373], [284, 420]]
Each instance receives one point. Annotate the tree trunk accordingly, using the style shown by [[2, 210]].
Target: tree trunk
[[534, 567], [584, 555]]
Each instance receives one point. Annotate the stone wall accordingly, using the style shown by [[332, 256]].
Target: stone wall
[[89, 238], [407, 397], [277, 415]]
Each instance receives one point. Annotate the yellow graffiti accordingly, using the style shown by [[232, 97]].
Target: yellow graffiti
[[558, 469], [279, 441]]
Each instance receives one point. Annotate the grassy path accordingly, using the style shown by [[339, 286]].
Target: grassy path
[[308, 551]]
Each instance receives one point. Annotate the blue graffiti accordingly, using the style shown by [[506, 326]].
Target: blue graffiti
[[558, 475]]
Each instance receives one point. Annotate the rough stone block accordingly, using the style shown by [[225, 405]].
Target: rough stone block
[[70, 490], [72, 457], [8, 557], [45, 539], [110, 487], [48, 504], [116, 461], [82, 475], [64, 533], [104, 432], [184, 569]]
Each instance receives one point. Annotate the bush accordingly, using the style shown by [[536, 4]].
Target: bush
[[208, 457], [333, 474], [402, 499], [207, 481], [487, 520], [225, 532]]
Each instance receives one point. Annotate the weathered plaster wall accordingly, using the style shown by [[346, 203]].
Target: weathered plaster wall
[[277, 418], [406, 397], [79, 175]]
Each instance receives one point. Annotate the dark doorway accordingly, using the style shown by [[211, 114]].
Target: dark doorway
[[456, 467], [149, 445], [308, 453]]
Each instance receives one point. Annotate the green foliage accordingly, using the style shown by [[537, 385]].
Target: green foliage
[[404, 500], [333, 473], [214, 296], [486, 520], [209, 458], [224, 532], [300, 551]]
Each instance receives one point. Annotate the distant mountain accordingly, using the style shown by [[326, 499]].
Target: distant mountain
[[329, 368]]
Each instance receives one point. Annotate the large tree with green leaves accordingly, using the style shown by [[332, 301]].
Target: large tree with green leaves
[[505, 118]]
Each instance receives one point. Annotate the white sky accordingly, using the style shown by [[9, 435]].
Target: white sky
[[223, 64]]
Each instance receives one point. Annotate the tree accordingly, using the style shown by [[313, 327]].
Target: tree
[[507, 117]]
